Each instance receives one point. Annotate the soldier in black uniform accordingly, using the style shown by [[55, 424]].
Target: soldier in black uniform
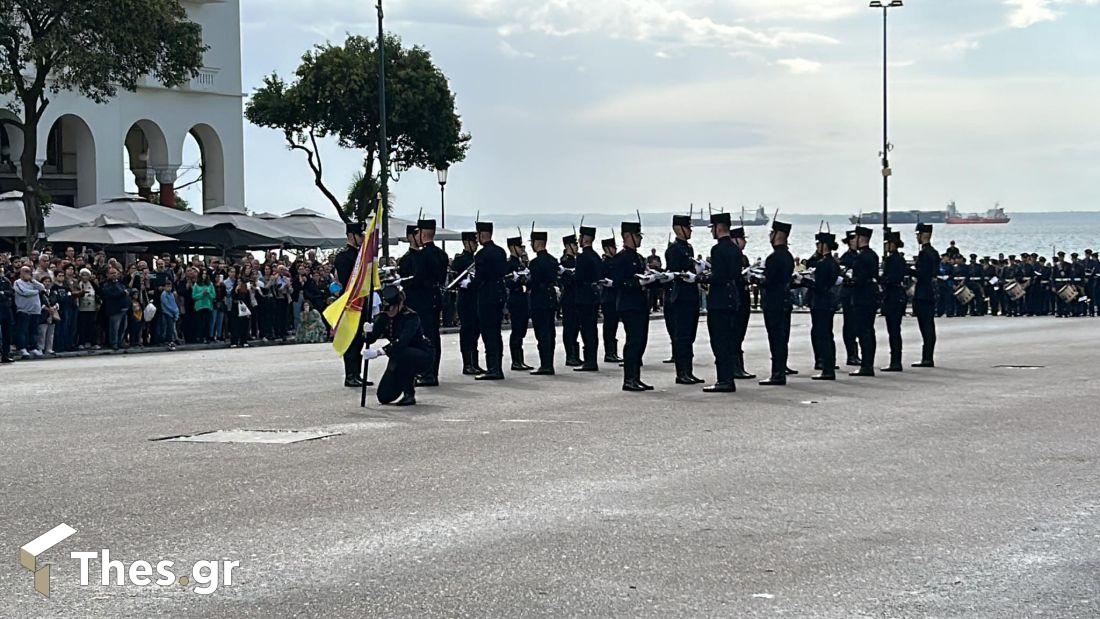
[[466, 306], [822, 310], [570, 325], [895, 297], [865, 293], [543, 302], [345, 264], [490, 266], [848, 331], [723, 302], [776, 302], [924, 299], [608, 299], [424, 293], [519, 310], [406, 264], [587, 296], [632, 304], [410, 353], [744, 309], [682, 302]]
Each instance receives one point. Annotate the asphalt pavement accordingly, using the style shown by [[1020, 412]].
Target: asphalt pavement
[[968, 490]]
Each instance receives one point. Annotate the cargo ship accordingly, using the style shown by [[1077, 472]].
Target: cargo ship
[[759, 219], [995, 215], [901, 217]]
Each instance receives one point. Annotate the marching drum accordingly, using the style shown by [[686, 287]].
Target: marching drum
[[1069, 293], [1015, 291], [964, 295]]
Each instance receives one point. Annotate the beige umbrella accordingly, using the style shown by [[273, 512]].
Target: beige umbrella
[[108, 231]]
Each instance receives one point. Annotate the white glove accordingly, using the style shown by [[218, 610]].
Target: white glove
[[515, 276], [701, 267], [561, 270], [465, 283], [840, 281], [798, 278], [690, 277], [648, 279], [368, 328], [666, 277], [373, 353], [607, 283]]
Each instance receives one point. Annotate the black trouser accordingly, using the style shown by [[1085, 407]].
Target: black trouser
[[429, 323], [280, 313], [610, 328], [203, 319], [721, 324], [777, 320], [570, 329], [741, 326], [636, 325], [849, 330], [489, 318], [7, 325], [468, 332], [865, 333], [521, 316], [238, 329], [401, 372], [353, 356], [586, 322], [821, 333], [546, 334], [684, 327], [893, 314], [925, 311]]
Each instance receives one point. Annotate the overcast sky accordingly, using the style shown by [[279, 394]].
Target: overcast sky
[[612, 105]]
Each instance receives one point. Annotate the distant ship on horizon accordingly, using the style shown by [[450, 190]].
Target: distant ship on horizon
[[995, 215], [759, 219], [901, 217]]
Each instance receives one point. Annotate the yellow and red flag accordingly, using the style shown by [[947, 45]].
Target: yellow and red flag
[[345, 313]]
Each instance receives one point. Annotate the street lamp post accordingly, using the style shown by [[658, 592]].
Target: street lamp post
[[886, 145], [383, 142], [441, 175]]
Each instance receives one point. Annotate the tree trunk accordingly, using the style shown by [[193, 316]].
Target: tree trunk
[[28, 169]]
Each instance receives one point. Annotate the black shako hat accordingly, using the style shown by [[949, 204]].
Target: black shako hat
[[681, 220], [569, 240], [469, 236], [484, 226], [426, 224], [391, 295], [539, 236], [354, 227], [737, 233], [780, 226], [825, 237], [924, 228], [864, 231], [588, 231], [631, 227], [849, 235], [609, 242], [410, 230], [720, 219], [894, 237], [515, 241]]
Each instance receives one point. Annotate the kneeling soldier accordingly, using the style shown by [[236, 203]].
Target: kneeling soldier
[[409, 352]]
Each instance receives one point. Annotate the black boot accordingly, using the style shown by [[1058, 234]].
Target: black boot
[[925, 363], [630, 382], [408, 399], [467, 367], [427, 381], [863, 371], [824, 375], [895, 363], [729, 387], [588, 366], [739, 371], [775, 381], [611, 356], [495, 372], [477, 369], [543, 371], [854, 361], [791, 372], [517, 360]]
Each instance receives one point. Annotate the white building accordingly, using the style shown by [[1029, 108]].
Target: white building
[[81, 144]]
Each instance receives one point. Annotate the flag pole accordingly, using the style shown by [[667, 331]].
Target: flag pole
[[370, 315]]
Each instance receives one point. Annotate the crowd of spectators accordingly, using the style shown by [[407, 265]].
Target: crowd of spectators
[[67, 300]]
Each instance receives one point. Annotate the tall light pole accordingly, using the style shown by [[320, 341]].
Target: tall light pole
[[886, 146], [383, 142], [441, 175]]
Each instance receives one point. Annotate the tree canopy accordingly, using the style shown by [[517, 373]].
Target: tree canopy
[[335, 93], [92, 47]]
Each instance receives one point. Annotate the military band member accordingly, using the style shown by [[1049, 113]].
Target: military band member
[[424, 293], [632, 304], [409, 352], [490, 267], [543, 302], [776, 302], [924, 298], [895, 298], [822, 311], [344, 264], [570, 325], [682, 302], [466, 305], [519, 309], [588, 274], [608, 300], [723, 302], [744, 309], [848, 331], [865, 292]]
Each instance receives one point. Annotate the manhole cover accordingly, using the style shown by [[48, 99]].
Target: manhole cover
[[1019, 367], [272, 437]]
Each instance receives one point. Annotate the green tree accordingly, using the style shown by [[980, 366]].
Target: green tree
[[335, 93], [92, 47]]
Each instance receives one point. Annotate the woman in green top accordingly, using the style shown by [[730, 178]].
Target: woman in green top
[[203, 294]]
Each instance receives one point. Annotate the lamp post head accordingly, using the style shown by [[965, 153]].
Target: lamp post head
[[892, 4], [441, 174]]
